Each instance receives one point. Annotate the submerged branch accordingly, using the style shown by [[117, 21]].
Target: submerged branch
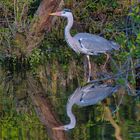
[[117, 128]]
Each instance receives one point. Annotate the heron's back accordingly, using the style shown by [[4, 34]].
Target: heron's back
[[95, 44], [96, 94]]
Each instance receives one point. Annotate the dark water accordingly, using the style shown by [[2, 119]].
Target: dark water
[[20, 122]]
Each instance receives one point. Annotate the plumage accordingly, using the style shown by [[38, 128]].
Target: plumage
[[94, 44], [91, 94], [96, 94]]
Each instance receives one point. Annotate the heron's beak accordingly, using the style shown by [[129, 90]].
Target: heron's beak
[[58, 128], [55, 14]]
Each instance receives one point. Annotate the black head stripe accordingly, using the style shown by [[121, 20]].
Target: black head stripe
[[67, 10]]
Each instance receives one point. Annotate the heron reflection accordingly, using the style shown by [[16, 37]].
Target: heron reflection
[[85, 96]]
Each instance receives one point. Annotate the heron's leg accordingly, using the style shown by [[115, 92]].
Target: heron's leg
[[107, 58], [89, 68]]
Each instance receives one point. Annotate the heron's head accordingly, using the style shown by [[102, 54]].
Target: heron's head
[[65, 13]]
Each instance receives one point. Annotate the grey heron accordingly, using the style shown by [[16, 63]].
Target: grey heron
[[85, 43], [85, 96]]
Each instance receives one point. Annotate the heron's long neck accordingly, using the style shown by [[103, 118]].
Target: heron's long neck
[[71, 116], [68, 36]]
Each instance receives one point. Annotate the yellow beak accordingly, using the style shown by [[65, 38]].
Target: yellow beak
[[55, 14], [58, 128]]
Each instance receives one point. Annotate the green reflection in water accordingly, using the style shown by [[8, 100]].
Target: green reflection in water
[[19, 121]]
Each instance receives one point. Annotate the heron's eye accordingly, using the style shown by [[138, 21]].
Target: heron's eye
[[66, 129], [93, 86]]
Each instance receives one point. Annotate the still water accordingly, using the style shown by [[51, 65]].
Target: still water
[[24, 117]]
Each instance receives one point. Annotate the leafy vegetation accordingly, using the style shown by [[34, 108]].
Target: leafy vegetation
[[60, 70]]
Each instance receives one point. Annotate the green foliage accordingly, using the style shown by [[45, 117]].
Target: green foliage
[[121, 81], [135, 40], [18, 120], [135, 13], [19, 125], [33, 7], [101, 4], [61, 53], [35, 59], [102, 16], [8, 4]]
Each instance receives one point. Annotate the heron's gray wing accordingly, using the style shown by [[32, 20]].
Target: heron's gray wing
[[93, 44], [96, 94], [75, 96]]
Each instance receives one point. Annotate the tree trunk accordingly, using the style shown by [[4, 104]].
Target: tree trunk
[[41, 22]]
